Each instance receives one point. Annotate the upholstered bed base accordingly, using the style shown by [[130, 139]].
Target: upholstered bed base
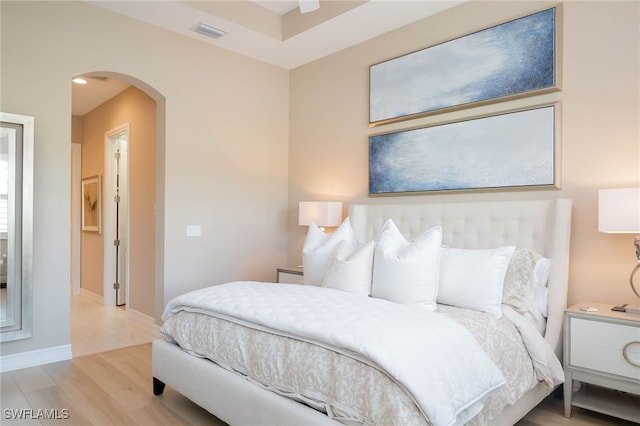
[[542, 225], [230, 397], [236, 401]]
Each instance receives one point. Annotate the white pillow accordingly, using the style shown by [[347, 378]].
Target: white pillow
[[474, 279], [407, 271], [319, 249], [351, 269]]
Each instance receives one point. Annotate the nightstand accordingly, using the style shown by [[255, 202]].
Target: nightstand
[[292, 275], [602, 353]]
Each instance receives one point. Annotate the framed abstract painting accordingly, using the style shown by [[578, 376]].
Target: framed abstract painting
[[511, 60], [516, 149]]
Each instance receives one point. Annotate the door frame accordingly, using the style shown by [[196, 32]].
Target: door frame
[[109, 215], [76, 207]]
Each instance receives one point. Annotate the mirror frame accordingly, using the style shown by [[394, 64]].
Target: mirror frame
[[25, 312]]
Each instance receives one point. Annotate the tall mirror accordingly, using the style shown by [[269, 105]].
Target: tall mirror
[[16, 225]]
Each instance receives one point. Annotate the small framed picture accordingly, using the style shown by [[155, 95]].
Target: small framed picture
[[92, 204]]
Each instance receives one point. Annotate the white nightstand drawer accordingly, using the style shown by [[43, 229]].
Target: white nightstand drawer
[[598, 345]]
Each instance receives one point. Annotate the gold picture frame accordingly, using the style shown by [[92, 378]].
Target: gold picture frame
[[508, 150], [511, 60], [92, 204]]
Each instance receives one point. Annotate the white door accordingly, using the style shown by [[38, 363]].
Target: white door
[[122, 223], [116, 217]]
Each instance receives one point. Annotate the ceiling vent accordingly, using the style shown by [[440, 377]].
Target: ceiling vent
[[209, 31]]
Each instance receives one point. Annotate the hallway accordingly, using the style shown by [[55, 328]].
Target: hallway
[[96, 328]]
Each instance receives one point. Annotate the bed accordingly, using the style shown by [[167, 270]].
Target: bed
[[542, 226]]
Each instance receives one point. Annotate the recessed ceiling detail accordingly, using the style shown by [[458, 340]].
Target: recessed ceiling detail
[[274, 32], [257, 32]]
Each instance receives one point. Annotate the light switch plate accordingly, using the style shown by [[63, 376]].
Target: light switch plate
[[194, 230]]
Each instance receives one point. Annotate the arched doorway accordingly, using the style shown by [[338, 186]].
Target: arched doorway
[[157, 210]]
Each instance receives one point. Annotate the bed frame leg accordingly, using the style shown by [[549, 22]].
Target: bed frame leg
[[158, 387]]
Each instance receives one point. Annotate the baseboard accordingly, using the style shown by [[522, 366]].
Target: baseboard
[[143, 318], [91, 295], [28, 359]]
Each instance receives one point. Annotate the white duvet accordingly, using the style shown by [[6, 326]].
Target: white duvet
[[437, 361]]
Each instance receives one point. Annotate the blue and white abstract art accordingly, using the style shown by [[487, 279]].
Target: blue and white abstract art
[[499, 62], [515, 149]]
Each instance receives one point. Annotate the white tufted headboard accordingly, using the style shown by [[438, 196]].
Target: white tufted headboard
[[541, 225]]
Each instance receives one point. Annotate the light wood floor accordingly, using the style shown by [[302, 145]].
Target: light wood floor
[[96, 328], [110, 388], [114, 388]]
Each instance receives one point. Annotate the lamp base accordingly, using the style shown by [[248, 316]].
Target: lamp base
[[632, 309], [626, 308]]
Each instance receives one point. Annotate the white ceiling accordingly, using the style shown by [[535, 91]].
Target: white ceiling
[[281, 7], [85, 97], [366, 21]]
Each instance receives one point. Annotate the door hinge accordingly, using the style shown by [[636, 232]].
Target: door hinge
[[116, 242], [116, 286], [117, 155], [116, 199]]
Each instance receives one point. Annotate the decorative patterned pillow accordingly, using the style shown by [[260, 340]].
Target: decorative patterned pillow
[[319, 249], [525, 284], [518, 281], [351, 269], [407, 271]]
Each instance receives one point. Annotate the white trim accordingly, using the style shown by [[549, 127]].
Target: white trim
[[76, 207], [91, 295], [34, 358]]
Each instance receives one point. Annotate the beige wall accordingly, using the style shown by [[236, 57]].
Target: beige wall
[[92, 243], [135, 108], [328, 152], [226, 137]]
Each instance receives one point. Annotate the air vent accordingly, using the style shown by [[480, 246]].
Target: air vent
[[209, 31]]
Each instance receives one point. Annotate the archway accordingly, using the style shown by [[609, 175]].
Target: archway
[[158, 302]]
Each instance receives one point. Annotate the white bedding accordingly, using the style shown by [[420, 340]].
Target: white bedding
[[546, 364], [332, 383], [449, 389], [328, 381], [512, 348]]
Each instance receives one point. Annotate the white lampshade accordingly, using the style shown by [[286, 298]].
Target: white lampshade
[[320, 213], [619, 210]]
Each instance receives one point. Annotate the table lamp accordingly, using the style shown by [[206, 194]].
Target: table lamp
[[320, 213], [619, 213]]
